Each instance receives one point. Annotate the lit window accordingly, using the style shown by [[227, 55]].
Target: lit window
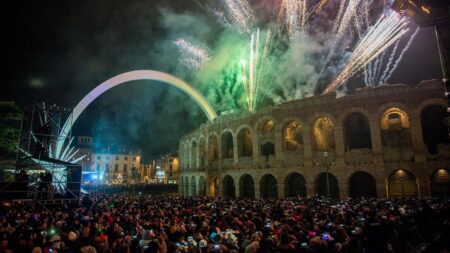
[[134, 158]]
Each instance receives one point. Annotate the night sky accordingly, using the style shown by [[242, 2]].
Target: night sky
[[57, 51]]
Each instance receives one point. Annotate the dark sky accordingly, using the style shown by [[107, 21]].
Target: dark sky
[[57, 51]]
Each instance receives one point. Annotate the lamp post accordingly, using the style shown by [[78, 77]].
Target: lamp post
[[327, 169]]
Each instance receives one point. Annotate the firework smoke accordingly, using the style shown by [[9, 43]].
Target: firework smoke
[[253, 63]]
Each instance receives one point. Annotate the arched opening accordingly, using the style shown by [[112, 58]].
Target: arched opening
[[266, 128], [402, 183], [227, 145], [434, 131], [228, 188], [292, 136], [213, 152], [323, 133], [186, 186], [201, 153], [362, 184], [395, 131], [440, 183], [181, 186], [327, 185], [245, 142], [267, 149], [193, 187], [214, 187], [246, 186], [295, 185], [268, 187], [201, 186], [357, 132], [193, 156]]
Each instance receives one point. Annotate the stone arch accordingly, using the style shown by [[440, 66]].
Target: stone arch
[[122, 79], [228, 187], [395, 128], [402, 183], [186, 186], [227, 145], [201, 152], [267, 149], [431, 101], [328, 188], [362, 184], [245, 141], [181, 186], [292, 135], [193, 157], [434, 132], [193, 186], [264, 125], [215, 186], [356, 131], [201, 186], [440, 183], [268, 186], [213, 147], [322, 131], [186, 155], [246, 186], [295, 185]]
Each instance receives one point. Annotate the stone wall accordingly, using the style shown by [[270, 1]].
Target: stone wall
[[395, 159]]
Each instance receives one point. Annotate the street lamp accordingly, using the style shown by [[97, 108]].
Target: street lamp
[[327, 169]]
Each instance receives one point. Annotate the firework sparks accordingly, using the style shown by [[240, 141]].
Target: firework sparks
[[385, 77], [238, 15], [250, 71], [192, 56], [378, 38], [260, 60]]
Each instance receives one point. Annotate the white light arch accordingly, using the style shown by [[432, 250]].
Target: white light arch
[[124, 78]]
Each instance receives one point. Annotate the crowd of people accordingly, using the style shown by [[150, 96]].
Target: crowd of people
[[142, 223]]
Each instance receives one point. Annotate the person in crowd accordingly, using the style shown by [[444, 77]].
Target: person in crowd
[[129, 223]]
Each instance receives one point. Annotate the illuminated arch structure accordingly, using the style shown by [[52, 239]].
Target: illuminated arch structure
[[122, 79]]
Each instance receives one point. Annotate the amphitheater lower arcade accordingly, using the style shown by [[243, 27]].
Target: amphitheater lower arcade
[[376, 142]]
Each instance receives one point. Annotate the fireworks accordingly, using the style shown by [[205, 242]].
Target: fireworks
[[260, 57], [294, 15], [238, 15], [382, 35], [253, 69], [192, 56]]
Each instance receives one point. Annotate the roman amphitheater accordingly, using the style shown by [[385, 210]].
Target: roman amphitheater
[[381, 141]]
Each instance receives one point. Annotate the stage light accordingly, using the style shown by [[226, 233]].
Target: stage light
[[424, 12]]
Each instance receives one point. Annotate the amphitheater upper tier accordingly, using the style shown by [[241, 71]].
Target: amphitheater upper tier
[[381, 141]]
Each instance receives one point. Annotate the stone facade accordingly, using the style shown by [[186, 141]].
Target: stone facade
[[382, 141]]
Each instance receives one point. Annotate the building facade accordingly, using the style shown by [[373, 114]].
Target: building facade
[[166, 169], [376, 142], [121, 166], [84, 146]]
